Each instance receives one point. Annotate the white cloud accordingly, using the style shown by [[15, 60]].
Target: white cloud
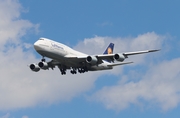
[[25, 117], [155, 83], [158, 86], [12, 27], [21, 88], [6, 116]]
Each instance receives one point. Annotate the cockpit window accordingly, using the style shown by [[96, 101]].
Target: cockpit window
[[41, 39]]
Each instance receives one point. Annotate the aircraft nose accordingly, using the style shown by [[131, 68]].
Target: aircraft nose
[[36, 45]]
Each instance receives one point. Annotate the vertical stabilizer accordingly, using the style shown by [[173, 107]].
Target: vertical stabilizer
[[109, 49]]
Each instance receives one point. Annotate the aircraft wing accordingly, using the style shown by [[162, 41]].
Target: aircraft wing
[[139, 52], [110, 57], [107, 57], [100, 58], [79, 61]]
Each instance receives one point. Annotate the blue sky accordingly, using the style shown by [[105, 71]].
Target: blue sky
[[147, 88]]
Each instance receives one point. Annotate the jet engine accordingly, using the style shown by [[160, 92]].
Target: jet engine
[[34, 67], [119, 57], [43, 65], [92, 60]]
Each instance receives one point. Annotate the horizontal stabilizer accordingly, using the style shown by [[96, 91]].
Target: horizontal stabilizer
[[117, 64]]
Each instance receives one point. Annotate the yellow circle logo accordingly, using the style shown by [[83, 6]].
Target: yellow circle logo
[[109, 50]]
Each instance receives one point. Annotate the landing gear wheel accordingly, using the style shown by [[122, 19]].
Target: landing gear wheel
[[73, 72], [63, 73]]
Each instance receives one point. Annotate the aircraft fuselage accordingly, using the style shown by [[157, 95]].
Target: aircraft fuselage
[[57, 51]]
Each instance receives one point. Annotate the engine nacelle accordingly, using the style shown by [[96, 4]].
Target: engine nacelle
[[119, 57], [43, 65], [34, 67], [92, 60]]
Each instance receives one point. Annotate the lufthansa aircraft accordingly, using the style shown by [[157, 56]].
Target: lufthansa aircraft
[[66, 58]]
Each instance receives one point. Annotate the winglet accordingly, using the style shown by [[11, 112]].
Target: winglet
[[154, 50]]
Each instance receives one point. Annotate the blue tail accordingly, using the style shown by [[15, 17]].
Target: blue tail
[[109, 49]]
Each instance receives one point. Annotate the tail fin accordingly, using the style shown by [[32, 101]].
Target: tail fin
[[109, 49]]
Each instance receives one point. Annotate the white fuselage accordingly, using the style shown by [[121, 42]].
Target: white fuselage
[[61, 53]]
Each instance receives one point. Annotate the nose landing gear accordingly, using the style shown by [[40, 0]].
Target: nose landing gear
[[43, 59]]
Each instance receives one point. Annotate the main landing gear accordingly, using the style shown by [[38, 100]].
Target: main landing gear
[[80, 70], [63, 71], [73, 71]]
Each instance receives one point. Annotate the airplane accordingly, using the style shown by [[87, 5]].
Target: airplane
[[66, 58]]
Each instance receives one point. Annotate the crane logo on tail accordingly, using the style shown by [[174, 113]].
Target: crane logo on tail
[[109, 50]]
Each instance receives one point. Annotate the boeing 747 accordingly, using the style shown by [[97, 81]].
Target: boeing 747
[[66, 58]]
